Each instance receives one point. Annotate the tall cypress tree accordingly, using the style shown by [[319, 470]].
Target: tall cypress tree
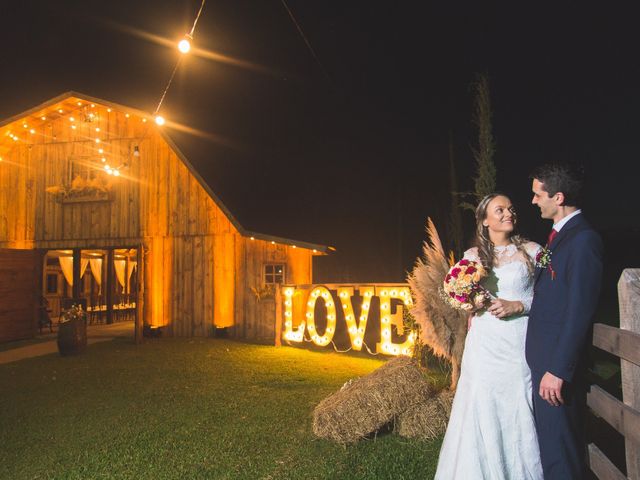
[[485, 179]]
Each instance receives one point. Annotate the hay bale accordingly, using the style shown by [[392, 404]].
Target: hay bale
[[366, 404], [426, 419]]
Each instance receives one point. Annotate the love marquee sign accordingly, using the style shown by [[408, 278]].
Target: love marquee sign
[[348, 314]]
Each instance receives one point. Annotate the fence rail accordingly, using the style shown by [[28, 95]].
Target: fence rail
[[624, 416]]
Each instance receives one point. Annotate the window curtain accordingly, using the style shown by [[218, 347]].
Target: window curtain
[[66, 263], [119, 267], [96, 270], [132, 266]]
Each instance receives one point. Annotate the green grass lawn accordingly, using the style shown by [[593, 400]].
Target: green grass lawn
[[180, 408]]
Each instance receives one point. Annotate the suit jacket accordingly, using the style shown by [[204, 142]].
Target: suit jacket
[[564, 303]]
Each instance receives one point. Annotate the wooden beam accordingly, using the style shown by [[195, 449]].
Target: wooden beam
[[110, 285], [622, 343], [623, 418], [602, 466], [76, 289], [139, 295], [629, 303]]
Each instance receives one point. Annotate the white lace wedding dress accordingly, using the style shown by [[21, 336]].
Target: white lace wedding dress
[[491, 433]]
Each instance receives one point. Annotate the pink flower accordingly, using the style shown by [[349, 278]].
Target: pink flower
[[463, 262], [455, 272], [471, 269]]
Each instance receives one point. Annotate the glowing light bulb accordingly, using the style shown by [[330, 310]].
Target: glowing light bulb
[[97, 140], [116, 173], [25, 125], [144, 120], [93, 105], [73, 127], [97, 129], [106, 167], [103, 159], [79, 104], [126, 115], [100, 150], [184, 45], [160, 120], [32, 131], [252, 238], [71, 119], [109, 110], [60, 111]]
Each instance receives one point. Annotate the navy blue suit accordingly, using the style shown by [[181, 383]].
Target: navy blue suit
[[558, 334]]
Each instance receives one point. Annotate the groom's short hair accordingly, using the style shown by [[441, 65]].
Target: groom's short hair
[[567, 178]]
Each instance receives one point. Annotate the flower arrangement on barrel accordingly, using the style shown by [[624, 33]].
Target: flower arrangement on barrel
[[72, 332]]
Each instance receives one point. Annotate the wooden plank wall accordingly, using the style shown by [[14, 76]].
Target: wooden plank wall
[[19, 272]]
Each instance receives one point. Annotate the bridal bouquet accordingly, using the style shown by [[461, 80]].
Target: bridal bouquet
[[462, 288]]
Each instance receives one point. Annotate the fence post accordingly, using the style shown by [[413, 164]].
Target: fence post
[[629, 301]]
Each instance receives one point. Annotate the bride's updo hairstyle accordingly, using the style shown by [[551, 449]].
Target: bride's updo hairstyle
[[484, 244]]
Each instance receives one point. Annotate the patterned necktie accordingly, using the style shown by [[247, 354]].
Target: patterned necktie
[[552, 235]]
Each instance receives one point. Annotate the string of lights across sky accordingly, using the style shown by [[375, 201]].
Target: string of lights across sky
[[184, 46]]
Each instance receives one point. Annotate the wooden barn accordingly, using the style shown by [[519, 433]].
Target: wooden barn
[[98, 204]]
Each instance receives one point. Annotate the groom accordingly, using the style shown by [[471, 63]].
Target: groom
[[567, 286]]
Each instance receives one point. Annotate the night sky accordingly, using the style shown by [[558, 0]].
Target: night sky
[[354, 152]]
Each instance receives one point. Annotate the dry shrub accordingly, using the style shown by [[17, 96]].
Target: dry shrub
[[426, 419], [366, 404]]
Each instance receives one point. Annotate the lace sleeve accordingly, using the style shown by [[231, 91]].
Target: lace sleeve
[[532, 249], [472, 254]]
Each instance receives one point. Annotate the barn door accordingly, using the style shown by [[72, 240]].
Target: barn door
[[20, 272]]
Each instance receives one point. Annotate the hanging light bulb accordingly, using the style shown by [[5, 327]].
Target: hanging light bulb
[[136, 151], [160, 120], [184, 45], [116, 173]]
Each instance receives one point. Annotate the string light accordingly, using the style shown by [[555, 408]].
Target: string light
[[160, 120], [184, 45]]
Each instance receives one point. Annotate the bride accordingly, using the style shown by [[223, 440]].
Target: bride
[[491, 433]]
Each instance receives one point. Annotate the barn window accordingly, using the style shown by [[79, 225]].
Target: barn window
[[273, 273]]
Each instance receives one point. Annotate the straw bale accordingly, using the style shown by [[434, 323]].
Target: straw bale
[[366, 404], [426, 419]]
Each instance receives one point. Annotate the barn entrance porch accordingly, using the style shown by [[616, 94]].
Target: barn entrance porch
[[104, 281]]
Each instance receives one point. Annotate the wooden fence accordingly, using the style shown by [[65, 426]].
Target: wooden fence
[[624, 416]]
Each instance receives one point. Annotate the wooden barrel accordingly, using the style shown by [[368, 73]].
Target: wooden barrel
[[72, 337]]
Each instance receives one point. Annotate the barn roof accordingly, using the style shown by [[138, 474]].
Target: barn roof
[[36, 113]]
